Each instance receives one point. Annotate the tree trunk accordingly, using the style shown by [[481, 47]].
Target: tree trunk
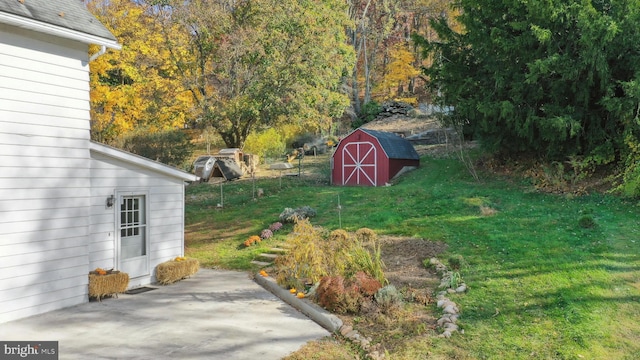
[[355, 90], [367, 74]]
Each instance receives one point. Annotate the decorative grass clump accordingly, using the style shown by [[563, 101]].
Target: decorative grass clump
[[175, 270], [315, 253], [107, 283]]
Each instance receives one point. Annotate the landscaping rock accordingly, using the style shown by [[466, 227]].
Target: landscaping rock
[[447, 318], [445, 302], [365, 343], [451, 327], [454, 318], [450, 309], [345, 329], [290, 215], [391, 108]]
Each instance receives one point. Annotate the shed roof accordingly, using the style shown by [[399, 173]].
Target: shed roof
[[393, 145], [52, 16], [140, 161]]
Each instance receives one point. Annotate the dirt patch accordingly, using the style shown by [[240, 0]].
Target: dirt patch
[[405, 270], [404, 258], [404, 124]]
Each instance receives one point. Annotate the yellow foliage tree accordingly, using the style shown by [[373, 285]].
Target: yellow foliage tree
[[266, 143], [137, 87], [398, 72]]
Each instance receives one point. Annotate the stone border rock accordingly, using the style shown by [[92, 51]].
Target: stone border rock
[[450, 312], [373, 351]]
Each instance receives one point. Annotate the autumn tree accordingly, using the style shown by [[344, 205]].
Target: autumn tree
[[557, 79], [138, 86], [382, 31], [415, 18], [399, 71], [372, 23], [259, 63]]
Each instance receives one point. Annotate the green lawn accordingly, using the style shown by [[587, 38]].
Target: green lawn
[[550, 276]]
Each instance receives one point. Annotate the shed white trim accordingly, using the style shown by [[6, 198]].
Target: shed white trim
[[359, 163], [140, 161]]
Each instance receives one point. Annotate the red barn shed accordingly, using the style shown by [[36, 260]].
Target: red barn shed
[[371, 158]]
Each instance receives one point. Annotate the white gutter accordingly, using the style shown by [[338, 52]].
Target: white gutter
[[30, 24], [103, 50]]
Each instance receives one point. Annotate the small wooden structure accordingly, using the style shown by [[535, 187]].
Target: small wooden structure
[[371, 158], [234, 154], [227, 169]]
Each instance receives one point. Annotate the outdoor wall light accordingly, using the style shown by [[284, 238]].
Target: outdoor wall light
[[110, 201]]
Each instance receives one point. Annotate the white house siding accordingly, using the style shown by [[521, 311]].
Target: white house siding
[[166, 212], [44, 173]]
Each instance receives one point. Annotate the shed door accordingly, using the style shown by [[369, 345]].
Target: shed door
[[134, 248], [359, 164]]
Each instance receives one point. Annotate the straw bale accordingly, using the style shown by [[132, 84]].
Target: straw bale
[[171, 271], [112, 283]]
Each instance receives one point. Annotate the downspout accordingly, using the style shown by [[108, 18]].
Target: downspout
[[103, 50]]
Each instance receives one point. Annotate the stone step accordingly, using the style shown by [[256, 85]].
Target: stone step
[[277, 250], [261, 263], [267, 257]]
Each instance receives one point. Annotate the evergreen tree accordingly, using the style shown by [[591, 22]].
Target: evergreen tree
[[558, 78]]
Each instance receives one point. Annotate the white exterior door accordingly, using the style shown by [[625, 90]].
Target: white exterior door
[[133, 244]]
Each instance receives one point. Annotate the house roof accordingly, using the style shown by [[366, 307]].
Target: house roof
[[393, 145], [140, 161], [64, 18]]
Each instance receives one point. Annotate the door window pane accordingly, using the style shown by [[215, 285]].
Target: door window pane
[[132, 227]]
